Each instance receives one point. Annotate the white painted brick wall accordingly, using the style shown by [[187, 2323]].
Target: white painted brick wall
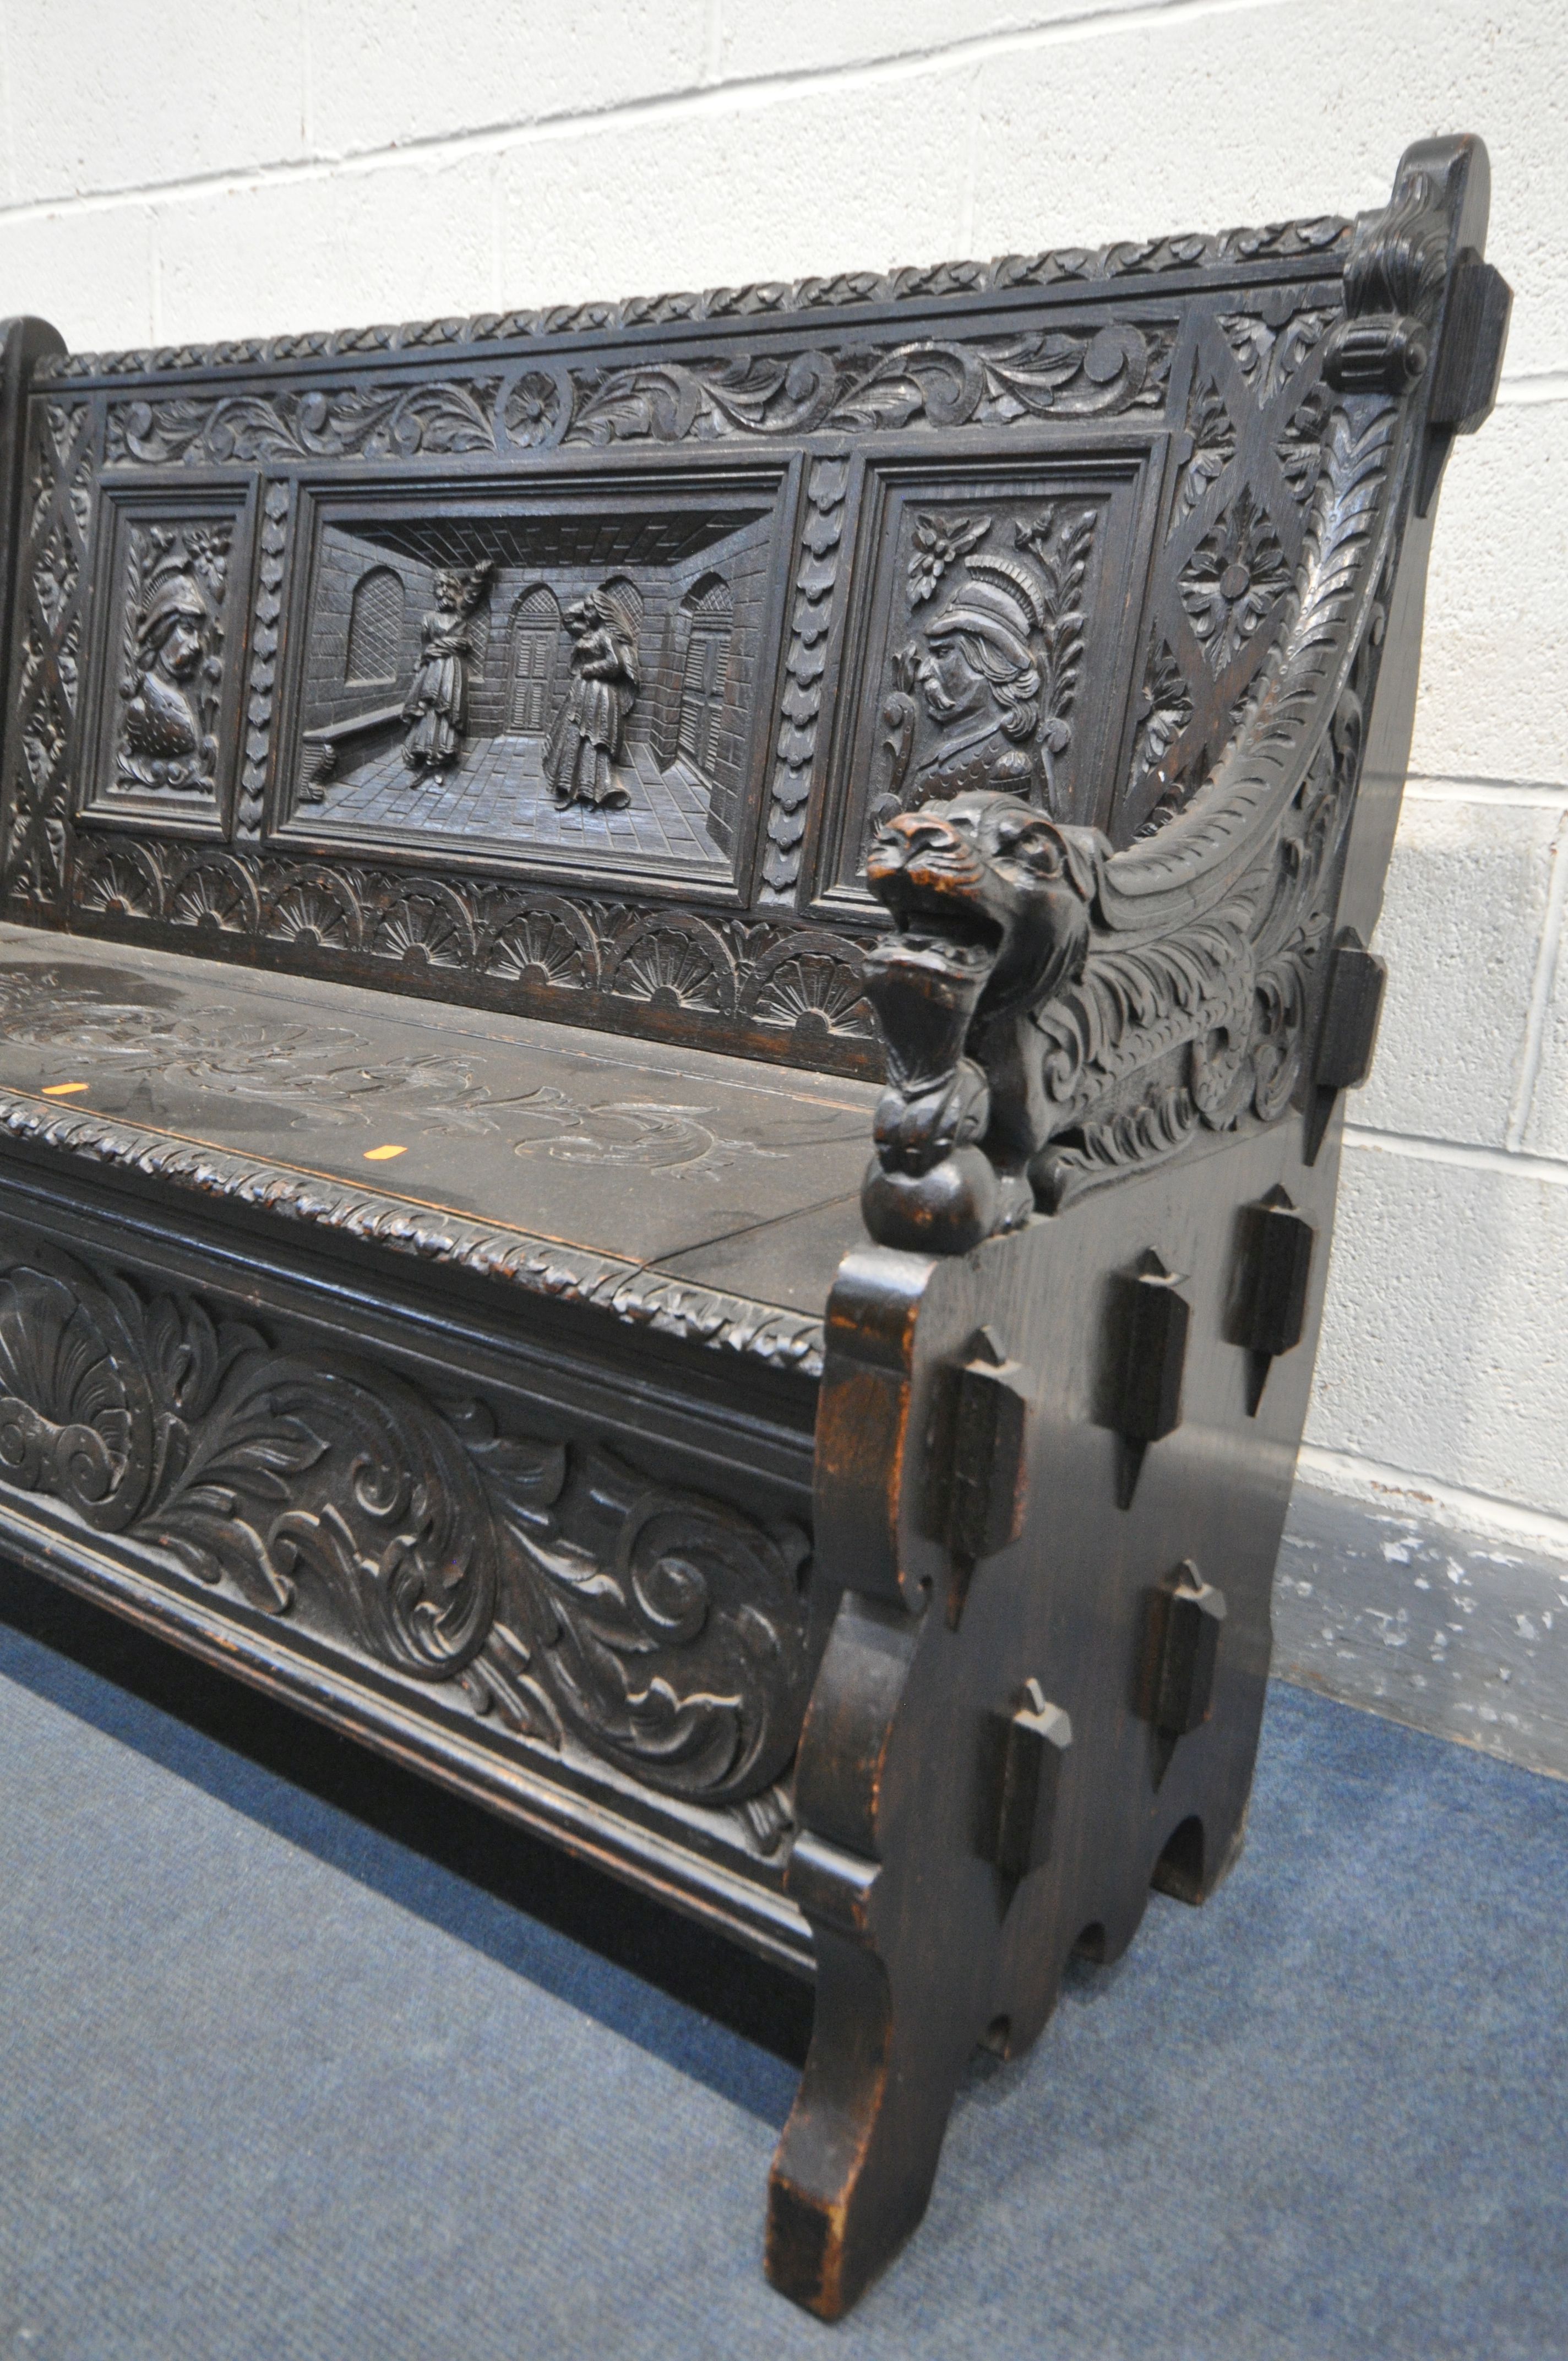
[[306, 163]]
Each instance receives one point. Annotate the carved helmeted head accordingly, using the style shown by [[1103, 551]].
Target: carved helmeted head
[[985, 883], [980, 658]]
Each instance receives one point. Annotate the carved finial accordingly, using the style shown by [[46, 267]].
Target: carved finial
[[1394, 278]]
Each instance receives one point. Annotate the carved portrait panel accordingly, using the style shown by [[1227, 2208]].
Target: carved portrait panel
[[982, 652], [170, 648]]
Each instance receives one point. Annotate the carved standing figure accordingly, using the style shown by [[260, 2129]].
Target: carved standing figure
[[437, 707], [589, 731], [172, 671]]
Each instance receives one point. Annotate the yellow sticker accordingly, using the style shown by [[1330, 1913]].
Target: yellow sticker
[[64, 1090], [380, 1154]]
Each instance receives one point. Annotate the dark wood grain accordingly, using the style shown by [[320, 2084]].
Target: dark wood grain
[[481, 805]]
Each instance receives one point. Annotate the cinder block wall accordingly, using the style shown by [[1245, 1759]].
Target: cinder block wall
[[275, 164]]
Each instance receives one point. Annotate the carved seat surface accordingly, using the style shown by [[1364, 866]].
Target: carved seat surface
[[677, 980], [676, 1186]]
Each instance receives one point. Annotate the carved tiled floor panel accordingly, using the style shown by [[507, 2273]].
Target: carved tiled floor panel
[[497, 792], [674, 1160]]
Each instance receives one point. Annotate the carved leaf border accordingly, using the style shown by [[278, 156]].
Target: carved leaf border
[[1087, 371], [1321, 240]]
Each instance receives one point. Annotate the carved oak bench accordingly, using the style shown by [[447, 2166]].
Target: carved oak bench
[[477, 798]]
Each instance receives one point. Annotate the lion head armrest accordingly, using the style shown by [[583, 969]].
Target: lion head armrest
[[1059, 1012]]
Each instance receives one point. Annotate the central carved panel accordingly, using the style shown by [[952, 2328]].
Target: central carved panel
[[571, 679]]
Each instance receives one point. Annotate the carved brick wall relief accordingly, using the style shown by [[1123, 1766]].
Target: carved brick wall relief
[[58, 519], [575, 677], [542, 1580]]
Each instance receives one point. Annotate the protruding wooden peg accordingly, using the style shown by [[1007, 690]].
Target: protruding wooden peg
[[979, 1460], [1269, 1307], [1470, 356], [1148, 1355], [1020, 1776], [1347, 1032], [1188, 1620]]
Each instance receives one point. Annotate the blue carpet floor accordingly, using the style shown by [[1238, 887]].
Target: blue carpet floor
[[274, 2084]]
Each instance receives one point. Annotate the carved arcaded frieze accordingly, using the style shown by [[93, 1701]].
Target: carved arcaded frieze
[[1117, 261], [803, 983], [539, 1578]]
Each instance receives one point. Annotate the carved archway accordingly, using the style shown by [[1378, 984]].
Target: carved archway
[[710, 603], [532, 656], [374, 627]]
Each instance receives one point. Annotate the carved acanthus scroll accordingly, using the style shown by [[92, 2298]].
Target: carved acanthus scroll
[[545, 1580]]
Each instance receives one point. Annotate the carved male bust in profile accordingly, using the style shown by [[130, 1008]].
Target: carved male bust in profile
[[980, 683], [171, 671]]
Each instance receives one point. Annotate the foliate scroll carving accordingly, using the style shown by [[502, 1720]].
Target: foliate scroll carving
[[1058, 1011], [1121, 260], [1075, 373], [540, 1580], [1070, 373], [58, 518], [171, 666], [1165, 709], [1272, 340], [373, 422], [1212, 437]]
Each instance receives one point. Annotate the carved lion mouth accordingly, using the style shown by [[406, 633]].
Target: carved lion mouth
[[930, 917]]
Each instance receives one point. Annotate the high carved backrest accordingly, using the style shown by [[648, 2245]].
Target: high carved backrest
[[569, 661]]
